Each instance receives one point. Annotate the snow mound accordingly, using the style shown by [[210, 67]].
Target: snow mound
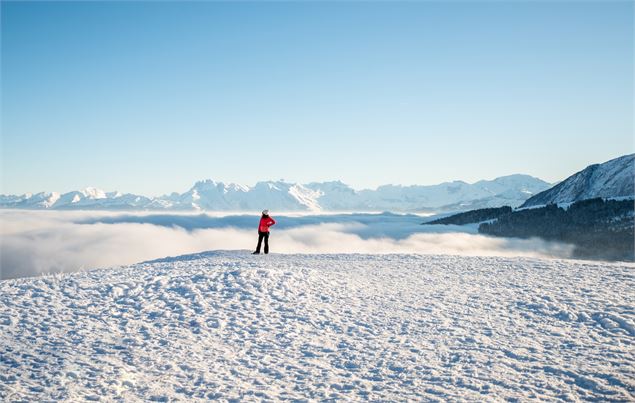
[[230, 325]]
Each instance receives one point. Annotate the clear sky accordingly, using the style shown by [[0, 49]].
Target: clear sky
[[149, 97]]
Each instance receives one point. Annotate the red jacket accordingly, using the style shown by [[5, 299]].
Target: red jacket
[[265, 223]]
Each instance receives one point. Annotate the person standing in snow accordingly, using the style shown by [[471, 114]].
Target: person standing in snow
[[263, 231]]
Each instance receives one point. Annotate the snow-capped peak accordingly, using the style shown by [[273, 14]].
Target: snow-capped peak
[[614, 178], [114, 195], [54, 197], [93, 193], [306, 196]]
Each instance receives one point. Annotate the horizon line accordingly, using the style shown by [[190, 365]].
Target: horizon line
[[282, 180]]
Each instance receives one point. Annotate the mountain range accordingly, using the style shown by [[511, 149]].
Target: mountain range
[[279, 196]]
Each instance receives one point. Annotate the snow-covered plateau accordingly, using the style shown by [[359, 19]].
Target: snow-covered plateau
[[392, 327]]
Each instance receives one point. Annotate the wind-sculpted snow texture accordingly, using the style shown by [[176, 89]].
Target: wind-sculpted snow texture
[[381, 327]]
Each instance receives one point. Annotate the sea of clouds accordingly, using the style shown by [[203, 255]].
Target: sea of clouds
[[39, 242]]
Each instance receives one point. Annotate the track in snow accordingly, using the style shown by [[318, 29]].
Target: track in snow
[[382, 327]]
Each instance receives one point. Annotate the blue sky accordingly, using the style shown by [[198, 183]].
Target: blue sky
[[149, 97]]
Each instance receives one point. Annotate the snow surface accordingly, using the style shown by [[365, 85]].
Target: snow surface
[[231, 325]]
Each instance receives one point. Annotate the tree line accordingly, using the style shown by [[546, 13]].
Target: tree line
[[598, 229]]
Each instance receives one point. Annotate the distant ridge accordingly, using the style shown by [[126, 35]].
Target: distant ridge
[[283, 196], [612, 179]]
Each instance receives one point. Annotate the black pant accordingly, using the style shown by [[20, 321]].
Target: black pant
[[262, 235]]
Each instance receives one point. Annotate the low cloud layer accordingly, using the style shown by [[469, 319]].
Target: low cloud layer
[[33, 243]]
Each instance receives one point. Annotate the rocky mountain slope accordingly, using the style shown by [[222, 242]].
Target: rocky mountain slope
[[612, 179]]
